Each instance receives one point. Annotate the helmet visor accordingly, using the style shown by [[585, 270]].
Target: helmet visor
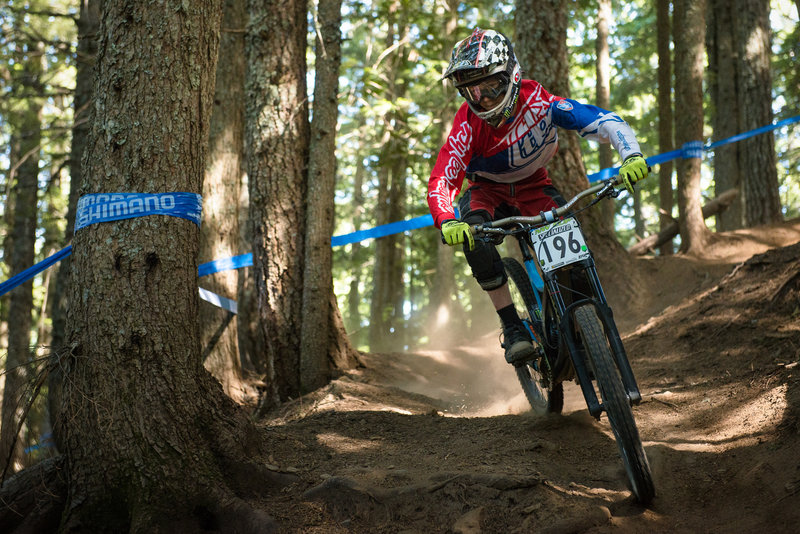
[[492, 87]]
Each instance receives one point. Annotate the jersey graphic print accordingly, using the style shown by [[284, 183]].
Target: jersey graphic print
[[516, 149], [530, 139], [457, 147]]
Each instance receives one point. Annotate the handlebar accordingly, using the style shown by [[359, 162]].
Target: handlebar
[[499, 226]]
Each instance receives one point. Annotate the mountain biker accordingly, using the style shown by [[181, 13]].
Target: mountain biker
[[502, 137]]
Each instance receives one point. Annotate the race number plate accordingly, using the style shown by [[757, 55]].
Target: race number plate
[[559, 244]]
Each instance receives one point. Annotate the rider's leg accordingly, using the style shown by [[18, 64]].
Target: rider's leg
[[501, 297], [487, 268]]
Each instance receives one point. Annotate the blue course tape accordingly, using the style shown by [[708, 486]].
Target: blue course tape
[[382, 230], [46, 441], [751, 133], [105, 207], [225, 264], [23, 276], [108, 207]]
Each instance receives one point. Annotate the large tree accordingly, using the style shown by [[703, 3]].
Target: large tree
[[277, 137], [386, 326], [757, 161], [541, 47], [150, 442], [221, 191], [689, 36], [724, 107], [665, 121], [603, 93], [88, 24], [324, 344], [26, 146]]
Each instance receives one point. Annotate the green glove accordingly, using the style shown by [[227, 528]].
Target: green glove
[[633, 169], [454, 232]]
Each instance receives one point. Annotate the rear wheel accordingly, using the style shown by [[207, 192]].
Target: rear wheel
[[615, 402], [534, 376]]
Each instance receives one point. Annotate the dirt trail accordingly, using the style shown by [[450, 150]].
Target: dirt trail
[[442, 440]]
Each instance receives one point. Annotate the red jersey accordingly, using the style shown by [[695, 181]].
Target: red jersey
[[516, 149]]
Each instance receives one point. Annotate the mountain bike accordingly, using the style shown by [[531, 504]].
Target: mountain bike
[[561, 301]]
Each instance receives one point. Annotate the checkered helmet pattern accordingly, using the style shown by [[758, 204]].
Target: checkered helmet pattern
[[482, 54], [479, 55]]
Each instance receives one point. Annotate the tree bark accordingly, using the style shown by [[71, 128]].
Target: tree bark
[[88, 24], [689, 24], [321, 325], [26, 146], [722, 84], [277, 137], [603, 95], [665, 192], [757, 160], [148, 435], [541, 28], [221, 191], [386, 308]]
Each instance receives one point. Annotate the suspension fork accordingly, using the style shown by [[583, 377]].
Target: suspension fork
[[606, 316], [567, 334]]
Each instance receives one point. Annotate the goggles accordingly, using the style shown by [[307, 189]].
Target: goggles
[[491, 88]]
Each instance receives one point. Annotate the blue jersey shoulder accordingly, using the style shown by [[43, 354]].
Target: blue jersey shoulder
[[573, 115]]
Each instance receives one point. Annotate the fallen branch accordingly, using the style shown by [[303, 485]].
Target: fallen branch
[[652, 242]]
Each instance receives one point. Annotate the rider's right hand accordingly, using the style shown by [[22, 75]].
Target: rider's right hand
[[455, 232]]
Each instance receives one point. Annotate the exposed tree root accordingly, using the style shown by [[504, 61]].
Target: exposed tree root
[[347, 498], [32, 500]]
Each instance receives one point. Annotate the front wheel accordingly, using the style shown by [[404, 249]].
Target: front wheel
[[615, 401], [534, 376]]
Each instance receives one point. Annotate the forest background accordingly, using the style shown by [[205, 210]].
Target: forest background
[[393, 113]]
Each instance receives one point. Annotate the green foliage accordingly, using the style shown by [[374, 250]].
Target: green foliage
[[786, 84], [366, 103]]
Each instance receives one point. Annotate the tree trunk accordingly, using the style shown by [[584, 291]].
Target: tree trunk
[[354, 295], [27, 136], [541, 28], [277, 136], [724, 105], [221, 191], [321, 320], [542, 52], [386, 309], [88, 24], [689, 24], [665, 193], [148, 434], [603, 95], [445, 309], [757, 161]]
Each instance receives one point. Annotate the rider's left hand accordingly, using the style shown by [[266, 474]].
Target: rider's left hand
[[633, 169]]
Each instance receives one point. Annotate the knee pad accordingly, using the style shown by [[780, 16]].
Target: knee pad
[[484, 260], [486, 265]]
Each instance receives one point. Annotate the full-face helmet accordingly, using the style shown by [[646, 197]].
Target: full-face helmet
[[484, 65]]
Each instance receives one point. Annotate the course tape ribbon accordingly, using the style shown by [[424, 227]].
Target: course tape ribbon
[[218, 300], [23, 276], [105, 207], [695, 149], [108, 207]]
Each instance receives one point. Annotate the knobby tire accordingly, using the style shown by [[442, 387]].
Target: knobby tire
[[616, 403], [542, 399]]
